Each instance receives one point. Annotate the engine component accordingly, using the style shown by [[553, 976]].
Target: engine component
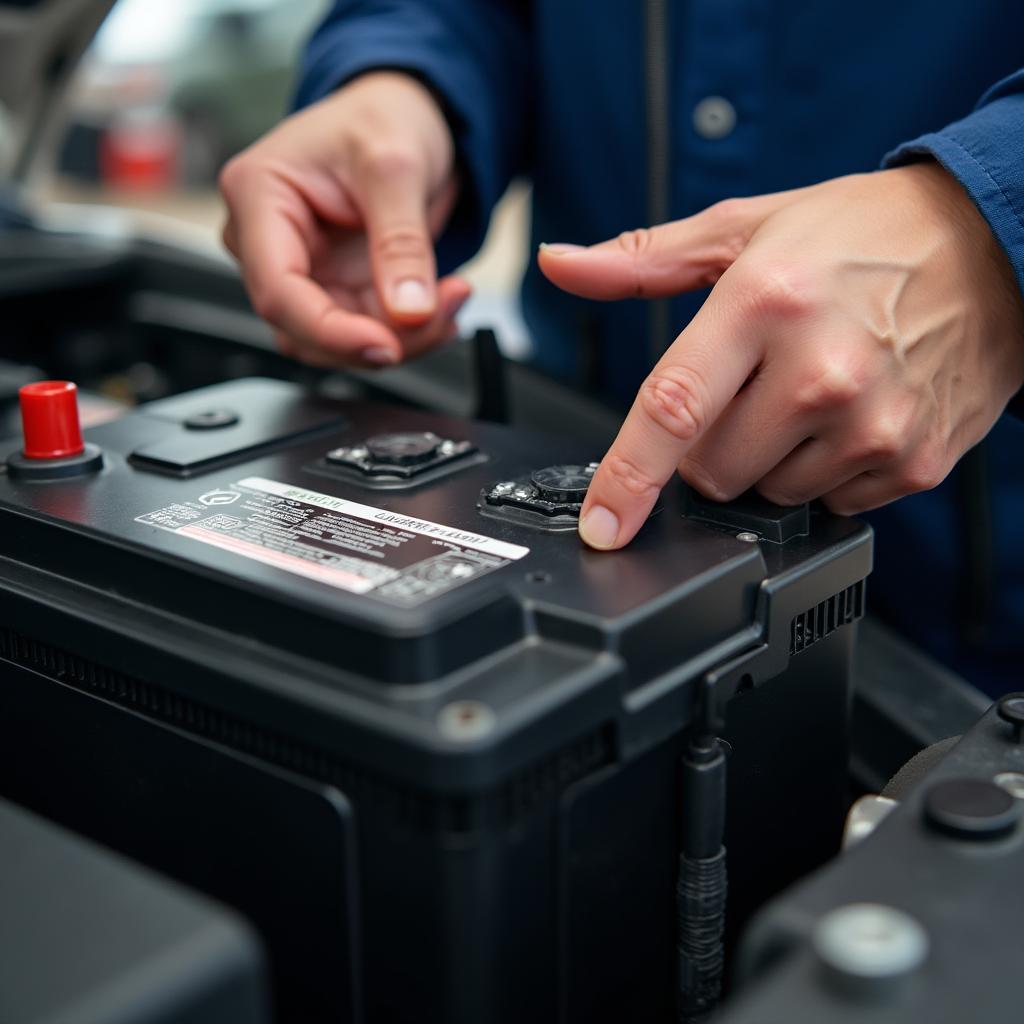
[[920, 921]]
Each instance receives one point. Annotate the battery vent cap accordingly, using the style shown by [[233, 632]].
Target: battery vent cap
[[53, 446], [49, 419]]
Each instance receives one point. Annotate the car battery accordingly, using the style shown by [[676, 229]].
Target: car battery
[[349, 669]]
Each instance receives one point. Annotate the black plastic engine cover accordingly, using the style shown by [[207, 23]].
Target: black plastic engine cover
[[479, 719], [960, 887], [89, 938]]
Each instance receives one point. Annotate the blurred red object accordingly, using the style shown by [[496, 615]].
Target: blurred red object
[[139, 152]]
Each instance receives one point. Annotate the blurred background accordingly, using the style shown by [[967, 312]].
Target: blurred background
[[169, 91]]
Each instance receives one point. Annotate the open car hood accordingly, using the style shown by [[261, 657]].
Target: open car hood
[[41, 42]]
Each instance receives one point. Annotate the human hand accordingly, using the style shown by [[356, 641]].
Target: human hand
[[862, 335], [332, 217]]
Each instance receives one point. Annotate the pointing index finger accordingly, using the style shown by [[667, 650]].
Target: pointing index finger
[[685, 393]]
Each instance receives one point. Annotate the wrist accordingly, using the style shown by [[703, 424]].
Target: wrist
[[951, 201], [406, 98]]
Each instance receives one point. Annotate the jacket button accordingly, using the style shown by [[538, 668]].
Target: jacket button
[[714, 117]]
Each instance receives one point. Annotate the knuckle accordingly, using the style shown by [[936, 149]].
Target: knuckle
[[635, 242], [731, 227], [386, 158], [727, 211], [702, 479], [840, 505], [627, 476], [780, 291], [882, 441], [784, 496], [730, 218], [401, 242], [268, 305], [831, 383], [234, 174], [674, 398], [924, 471]]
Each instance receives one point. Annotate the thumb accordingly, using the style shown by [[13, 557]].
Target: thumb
[[658, 262], [401, 249]]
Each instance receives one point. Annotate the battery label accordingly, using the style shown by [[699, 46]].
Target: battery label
[[365, 550]]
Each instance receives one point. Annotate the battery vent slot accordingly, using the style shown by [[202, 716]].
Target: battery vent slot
[[825, 618]]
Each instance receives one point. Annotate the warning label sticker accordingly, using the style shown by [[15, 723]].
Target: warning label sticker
[[358, 548]]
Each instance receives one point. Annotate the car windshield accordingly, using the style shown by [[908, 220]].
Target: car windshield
[[138, 31]]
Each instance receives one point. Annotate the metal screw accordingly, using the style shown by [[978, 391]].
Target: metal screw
[[465, 720], [868, 946], [358, 453], [1011, 709], [1012, 782], [447, 447], [748, 537]]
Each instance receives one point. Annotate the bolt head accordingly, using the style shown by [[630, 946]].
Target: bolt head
[[747, 537], [1011, 710], [868, 946], [465, 720]]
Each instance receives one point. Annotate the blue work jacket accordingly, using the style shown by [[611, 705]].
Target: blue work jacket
[[623, 112]]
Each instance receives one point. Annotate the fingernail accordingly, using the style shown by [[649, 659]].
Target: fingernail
[[411, 296], [561, 248], [378, 356], [599, 527]]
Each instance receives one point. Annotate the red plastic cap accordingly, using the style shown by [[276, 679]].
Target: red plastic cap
[[49, 419]]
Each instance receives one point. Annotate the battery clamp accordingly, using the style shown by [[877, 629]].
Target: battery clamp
[[361, 650]]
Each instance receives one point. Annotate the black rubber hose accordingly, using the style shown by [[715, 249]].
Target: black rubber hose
[[702, 884]]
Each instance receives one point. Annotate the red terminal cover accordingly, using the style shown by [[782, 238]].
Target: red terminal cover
[[49, 419]]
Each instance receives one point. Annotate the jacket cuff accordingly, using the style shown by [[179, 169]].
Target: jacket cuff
[[985, 153]]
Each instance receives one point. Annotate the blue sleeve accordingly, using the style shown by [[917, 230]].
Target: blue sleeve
[[985, 153], [474, 54]]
